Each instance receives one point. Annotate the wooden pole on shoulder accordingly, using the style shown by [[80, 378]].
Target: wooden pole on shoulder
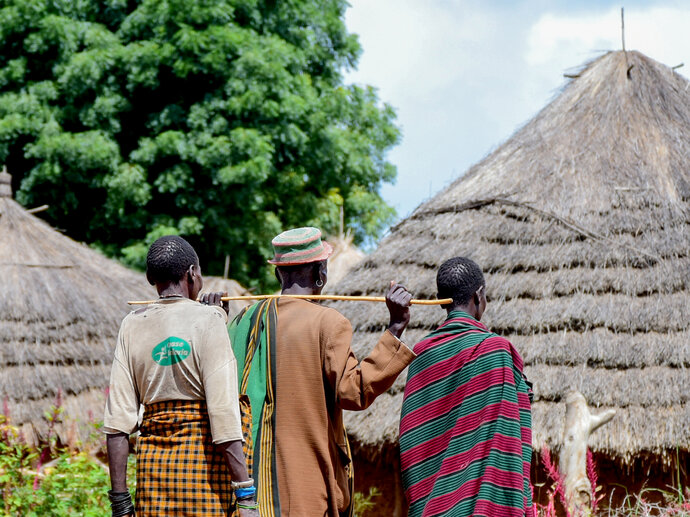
[[335, 297]]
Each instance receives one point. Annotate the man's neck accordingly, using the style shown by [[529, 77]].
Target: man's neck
[[468, 309], [170, 290], [298, 289]]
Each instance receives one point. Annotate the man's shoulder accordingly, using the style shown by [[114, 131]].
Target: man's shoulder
[[331, 315], [497, 345], [133, 316], [209, 314], [494, 343], [483, 339], [186, 310], [210, 311], [327, 319], [316, 310]]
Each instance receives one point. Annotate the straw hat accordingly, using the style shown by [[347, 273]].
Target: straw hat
[[299, 246]]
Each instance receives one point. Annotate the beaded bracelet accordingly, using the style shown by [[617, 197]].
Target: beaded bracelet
[[254, 506], [243, 493]]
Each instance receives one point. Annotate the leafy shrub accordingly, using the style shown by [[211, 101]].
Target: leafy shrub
[[365, 502], [53, 480]]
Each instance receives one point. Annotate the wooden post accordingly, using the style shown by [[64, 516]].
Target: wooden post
[[226, 269], [5, 183], [342, 223], [623, 28], [579, 424]]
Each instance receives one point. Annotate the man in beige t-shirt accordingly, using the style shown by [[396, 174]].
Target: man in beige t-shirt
[[174, 358], [174, 349]]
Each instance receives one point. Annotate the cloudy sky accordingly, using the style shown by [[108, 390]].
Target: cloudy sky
[[463, 75]]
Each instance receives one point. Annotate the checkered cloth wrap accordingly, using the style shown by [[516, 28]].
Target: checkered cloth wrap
[[179, 471], [247, 440]]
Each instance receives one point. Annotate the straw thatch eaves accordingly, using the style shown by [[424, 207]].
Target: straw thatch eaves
[[60, 311], [581, 222]]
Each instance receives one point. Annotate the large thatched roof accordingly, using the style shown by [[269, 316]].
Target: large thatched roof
[[60, 311], [581, 221]]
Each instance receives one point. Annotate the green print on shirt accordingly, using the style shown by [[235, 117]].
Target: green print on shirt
[[171, 351]]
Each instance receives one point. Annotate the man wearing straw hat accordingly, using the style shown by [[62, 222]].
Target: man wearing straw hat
[[174, 357], [297, 366], [465, 426]]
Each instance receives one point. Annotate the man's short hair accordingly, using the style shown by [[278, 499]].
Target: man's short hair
[[169, 259], [459, 278]]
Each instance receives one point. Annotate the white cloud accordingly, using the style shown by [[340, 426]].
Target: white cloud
[[463, 74], [659, 32], [407, 43]]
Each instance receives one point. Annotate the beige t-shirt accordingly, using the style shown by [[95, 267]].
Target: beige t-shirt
[[174, 349]]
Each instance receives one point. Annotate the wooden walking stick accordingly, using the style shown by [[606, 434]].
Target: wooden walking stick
[[336, 297]]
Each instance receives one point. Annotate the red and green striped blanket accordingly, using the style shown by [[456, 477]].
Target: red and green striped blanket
[[465, 427]]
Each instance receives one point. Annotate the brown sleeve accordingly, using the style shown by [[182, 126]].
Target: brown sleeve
[[356, 385]]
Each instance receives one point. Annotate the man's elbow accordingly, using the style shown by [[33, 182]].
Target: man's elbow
[[117, 442], [356, 402]]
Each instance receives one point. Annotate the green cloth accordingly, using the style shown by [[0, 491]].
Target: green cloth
[[254, 386], [252, 334]]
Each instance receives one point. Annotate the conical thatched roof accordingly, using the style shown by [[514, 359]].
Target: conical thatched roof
[[581, 221], [214, 284], [344, 258], [60, 312]]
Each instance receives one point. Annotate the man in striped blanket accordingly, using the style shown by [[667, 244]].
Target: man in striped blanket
[[465, 428]]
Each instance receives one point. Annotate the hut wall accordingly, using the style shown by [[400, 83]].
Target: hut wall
[[655, 474], [382, 475]]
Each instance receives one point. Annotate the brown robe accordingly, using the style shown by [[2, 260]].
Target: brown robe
[[318, 376]]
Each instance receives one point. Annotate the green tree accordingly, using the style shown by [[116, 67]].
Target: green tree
[[225, 121]]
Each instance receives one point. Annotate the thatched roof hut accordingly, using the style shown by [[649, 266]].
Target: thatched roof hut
[[345, 257], [581, 221], [214, 284], [60, 312]]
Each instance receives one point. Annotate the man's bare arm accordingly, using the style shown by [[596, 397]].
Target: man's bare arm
[[118, 451], [234, 457]]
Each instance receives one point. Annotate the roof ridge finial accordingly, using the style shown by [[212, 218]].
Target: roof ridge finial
[[623, 28], [5, 183], [628, 66]]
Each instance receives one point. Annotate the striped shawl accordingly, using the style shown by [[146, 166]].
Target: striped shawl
[[465, 428]]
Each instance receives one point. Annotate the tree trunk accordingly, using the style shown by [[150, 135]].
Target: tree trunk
[[579, 424]]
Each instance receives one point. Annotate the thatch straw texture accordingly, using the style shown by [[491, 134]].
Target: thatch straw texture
[[60, 311], [345, 257], [581, 222], [214, 284]]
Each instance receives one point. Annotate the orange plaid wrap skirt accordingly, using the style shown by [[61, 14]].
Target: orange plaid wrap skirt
[[179, 471]]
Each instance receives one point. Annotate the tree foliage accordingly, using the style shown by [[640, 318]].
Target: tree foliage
[[226, 121]]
